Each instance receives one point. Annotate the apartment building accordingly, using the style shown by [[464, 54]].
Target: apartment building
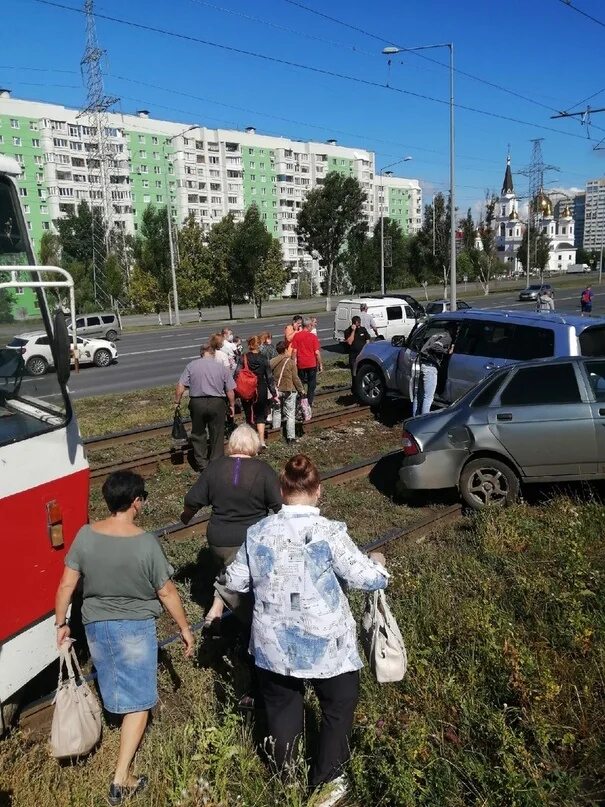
[[194, 170], [594, 214]]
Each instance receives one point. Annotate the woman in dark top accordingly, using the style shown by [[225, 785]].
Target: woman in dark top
[[256, 411], [241, 490]]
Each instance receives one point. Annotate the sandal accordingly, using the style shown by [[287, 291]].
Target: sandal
[[119, 793]]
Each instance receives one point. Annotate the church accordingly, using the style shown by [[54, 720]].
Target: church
[[509, 229]]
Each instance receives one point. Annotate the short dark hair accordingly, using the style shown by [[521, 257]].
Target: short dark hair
[[281, 347], [300, 475], [297, 318], [356, 320], [121, 488]]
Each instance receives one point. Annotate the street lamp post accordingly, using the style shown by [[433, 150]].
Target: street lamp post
[[382, 173], [173, 261], [390, 51]]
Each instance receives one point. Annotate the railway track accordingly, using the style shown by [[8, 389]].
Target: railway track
[[147, 464], [164, 429]]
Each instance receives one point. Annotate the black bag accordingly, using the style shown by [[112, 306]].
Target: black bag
[[179, 433]]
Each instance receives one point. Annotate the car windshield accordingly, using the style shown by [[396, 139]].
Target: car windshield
[[31, 398], [535, 287], [434, 308]]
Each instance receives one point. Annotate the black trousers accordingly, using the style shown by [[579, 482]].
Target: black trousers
[[283, 696], [309, 377], [207, 429]]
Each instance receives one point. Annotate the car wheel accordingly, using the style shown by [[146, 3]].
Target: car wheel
[[488, 482], [102, 358], [369, 385], [111, 335], [37, 365]]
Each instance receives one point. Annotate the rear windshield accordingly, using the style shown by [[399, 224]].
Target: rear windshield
[[17, 341], [592, 341], [108, 319], [434, 308]]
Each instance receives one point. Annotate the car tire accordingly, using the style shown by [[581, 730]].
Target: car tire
[[370, 387], [36, 365], [102, 358], [111, 335], [487, 482]]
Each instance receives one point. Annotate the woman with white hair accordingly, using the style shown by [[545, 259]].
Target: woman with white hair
[[241, 489]]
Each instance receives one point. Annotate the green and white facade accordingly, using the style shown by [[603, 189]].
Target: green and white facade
[[198, 171]]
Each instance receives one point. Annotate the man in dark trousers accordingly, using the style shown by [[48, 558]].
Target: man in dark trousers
[[208, 382], [356, 337]]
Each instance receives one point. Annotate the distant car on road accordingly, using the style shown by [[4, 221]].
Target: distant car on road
[[540, 421], [37, 354], [534, 290], [439, 306], [106, 325]]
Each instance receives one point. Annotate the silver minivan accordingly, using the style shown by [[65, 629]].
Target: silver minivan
[[105, 324], [483, 341]]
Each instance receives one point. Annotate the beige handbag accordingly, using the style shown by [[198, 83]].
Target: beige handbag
[[76, 726], [382, 640]]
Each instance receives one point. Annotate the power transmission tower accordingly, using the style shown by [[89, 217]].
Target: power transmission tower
[[536, 169], [100, 153]]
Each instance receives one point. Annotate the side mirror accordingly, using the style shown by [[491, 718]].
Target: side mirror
[[398, 341], [61, 347]]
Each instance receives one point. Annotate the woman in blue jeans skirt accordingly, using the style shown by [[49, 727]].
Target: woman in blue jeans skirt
[[126, 579]]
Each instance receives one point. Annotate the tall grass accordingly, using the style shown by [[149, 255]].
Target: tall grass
[[503, 704]]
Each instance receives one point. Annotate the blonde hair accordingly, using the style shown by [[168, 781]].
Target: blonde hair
[[244, 440]]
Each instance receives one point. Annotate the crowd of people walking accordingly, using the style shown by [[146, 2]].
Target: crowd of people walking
[[281, 567]]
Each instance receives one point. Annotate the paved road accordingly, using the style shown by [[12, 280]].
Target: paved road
[[153, 358]]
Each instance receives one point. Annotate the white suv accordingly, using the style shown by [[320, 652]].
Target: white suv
[[37, 355]]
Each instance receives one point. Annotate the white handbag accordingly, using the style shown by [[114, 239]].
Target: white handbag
[[382, 640], [76, 726]]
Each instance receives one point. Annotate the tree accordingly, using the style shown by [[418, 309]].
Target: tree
[[429, 250], [113, 276], [488, 258], [151, 248], [81, 234], [270, 277], [469, 233], [328, 215], [194, 269], [7, 302], [50, 249], [145, 291], [539, 250], [227, 283], [363, 254]]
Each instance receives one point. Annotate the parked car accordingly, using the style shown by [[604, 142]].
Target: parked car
[[106, 325], [411, 301], [439, 306], [484, 340], [393, 315], [534, 290], [541, 421], [37, 354]]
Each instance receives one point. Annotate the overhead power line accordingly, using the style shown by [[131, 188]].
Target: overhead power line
[[310, 68], [588, 16]]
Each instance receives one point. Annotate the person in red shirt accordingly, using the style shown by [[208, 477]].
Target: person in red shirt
[[308, 357]]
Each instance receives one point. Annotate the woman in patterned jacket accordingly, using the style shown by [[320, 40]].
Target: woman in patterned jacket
[[296, 562]]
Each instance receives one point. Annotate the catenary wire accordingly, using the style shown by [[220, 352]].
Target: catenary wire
[[310, 68], [570, 5]]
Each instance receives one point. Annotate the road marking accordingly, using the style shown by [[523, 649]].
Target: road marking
[[158, 350]]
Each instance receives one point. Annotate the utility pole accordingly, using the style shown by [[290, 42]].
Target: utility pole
[[102, 155]]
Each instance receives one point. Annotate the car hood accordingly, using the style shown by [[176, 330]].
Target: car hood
[[381, 348]]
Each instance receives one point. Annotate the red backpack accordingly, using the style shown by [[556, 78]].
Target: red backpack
[[246, 383]]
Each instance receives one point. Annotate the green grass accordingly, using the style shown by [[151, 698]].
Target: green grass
[[503, 704]]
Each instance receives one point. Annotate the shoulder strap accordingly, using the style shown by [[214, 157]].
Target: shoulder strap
[[281, 375]]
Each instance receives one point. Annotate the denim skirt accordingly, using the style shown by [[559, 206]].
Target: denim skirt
[[125, 655]]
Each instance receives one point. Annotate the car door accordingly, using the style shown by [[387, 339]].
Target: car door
[[480, 346], [594, 372], [545, 422], [93, 326], [407, 355]]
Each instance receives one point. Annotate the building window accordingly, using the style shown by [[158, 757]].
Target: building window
[[146, 199], [143, 155], [22, 191], [158, 198], [16, 141], [14, 123], [154, 140], [156, 155], [141, 138], [26, 208]]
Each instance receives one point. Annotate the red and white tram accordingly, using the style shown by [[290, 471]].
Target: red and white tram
[[44, 475]]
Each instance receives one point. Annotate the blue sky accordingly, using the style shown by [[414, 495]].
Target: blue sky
[[540, 49]]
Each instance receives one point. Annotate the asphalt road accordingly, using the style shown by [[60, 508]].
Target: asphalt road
[[157, 357]]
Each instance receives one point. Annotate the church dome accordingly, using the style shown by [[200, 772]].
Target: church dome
[[566, 212], [542, 204], [514, 216]]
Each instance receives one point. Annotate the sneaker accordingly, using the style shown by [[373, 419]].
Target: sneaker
[[118, 794], [291, 440], [332, 792]]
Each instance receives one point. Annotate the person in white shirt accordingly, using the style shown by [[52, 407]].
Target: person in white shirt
[[228, 348], [367, 320], [295, 563], [216, 342]]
